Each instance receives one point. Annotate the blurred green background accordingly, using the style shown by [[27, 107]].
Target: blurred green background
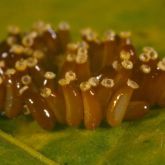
[[140, 142], [145, 18]]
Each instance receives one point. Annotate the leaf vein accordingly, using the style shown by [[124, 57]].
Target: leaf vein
[[27, 149]]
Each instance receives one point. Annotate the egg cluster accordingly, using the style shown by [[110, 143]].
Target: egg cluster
[[98, 79]]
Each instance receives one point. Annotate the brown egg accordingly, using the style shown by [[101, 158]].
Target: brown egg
[[63, 33], [119, 102], [39, 109], [13, 98], [67, 83], [136, 110], [92, 109], [109, 48]]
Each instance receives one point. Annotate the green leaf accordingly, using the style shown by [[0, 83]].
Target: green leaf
[[142, 142], [9, 154], [11, 148]]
